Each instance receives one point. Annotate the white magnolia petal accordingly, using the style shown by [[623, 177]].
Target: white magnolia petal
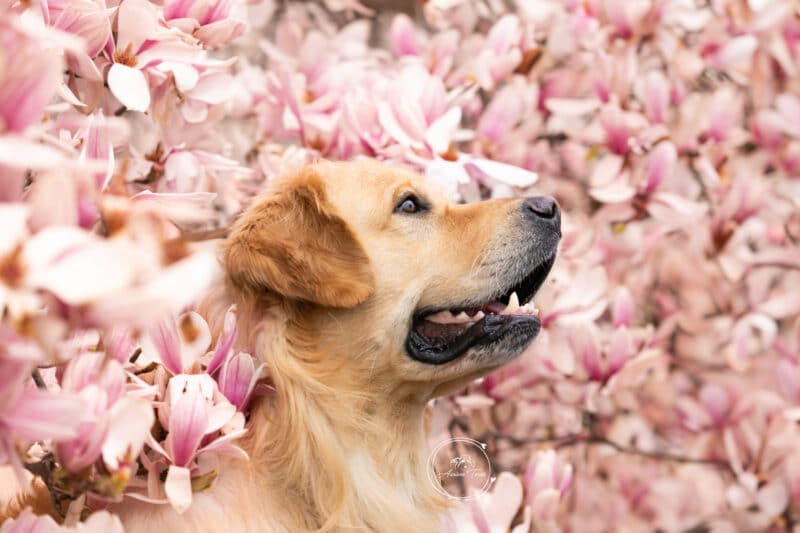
[[178, 487], [502, 172], [392, 127], [194, 111], [440, 133], [545, 505], [88, 273], [447, 175], [64, 92], [773, 498], [137, 21], [129, 86], [506, 499], [168, 292], [214, 88], [219, 415], [195, 337], [52, 242], [186, 76], [19, 152], [14, 221], [572, 106], [131, 420]]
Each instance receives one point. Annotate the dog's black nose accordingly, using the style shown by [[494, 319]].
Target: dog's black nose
[[541, 207]]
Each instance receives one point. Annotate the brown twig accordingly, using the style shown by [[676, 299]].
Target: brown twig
[[660, 456], [596, 439], [37, 378], [43, 469]]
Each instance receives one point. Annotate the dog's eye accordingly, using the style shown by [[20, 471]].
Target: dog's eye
[[409, 205]]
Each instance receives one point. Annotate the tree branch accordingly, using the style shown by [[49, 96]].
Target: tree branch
[[595, 439]]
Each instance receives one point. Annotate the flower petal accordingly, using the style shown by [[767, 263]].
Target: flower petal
[[502, 172], [129, 86], [188, 421], [178, 487], [131, 420], [225, 341], [164, 338], [186, 76], [137, 21]]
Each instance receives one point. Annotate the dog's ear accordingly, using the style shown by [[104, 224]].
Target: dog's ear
[[294, 244]]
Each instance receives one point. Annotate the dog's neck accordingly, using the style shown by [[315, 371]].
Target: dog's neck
[[341, 461]]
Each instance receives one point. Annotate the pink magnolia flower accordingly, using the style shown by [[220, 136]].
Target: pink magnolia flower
[[600, 363], [141, 43], [85, 18], [27, 413], [653, 89], [210, 22], [415, 112], [437, 51], [503, 113], [27, 522], [137, 21], [223, 350], [715, 407], [491, 512], [28, 81], [115, 426], [660, 163], [454, 177], [577, 296], [403, 36], [547, 480], [622, 308], [620, 128], [497, 56], [178, 344], [238, 377], [764, 502], [199, 421]]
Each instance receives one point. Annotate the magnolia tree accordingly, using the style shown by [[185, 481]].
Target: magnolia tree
[[663, 391]]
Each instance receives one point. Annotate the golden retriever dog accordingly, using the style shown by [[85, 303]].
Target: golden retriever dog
[[368, 294]]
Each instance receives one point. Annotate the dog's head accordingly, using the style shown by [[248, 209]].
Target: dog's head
[[403, 289]]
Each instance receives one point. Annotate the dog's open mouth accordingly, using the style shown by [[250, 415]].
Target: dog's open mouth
[[439, 336]]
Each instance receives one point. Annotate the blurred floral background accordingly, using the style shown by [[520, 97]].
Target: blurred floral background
[[664, 391]]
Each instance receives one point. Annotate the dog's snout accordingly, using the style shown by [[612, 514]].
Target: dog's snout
[[541, 207]]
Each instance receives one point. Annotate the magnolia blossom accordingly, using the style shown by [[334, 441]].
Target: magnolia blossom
[[100, 522], [85, 18], [115, 426], [209, 22], [547, 479], [28, 414], [200, 422]]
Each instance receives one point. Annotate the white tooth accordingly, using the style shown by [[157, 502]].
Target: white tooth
[[479, 315], [463, 317], [513, 303]]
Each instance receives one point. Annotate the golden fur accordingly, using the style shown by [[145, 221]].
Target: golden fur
[[326, 279]]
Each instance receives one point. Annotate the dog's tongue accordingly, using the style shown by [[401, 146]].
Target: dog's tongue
[[472, 315], [435, 330], [446, 325]]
